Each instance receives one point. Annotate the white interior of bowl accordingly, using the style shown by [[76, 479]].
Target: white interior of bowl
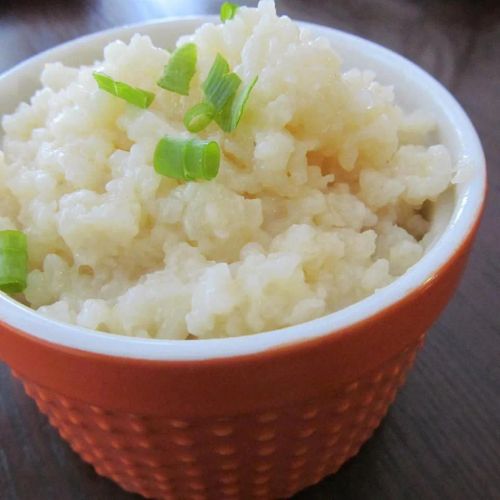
[[455, 214]]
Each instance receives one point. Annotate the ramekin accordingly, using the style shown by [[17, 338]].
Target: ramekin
[[253, 417]]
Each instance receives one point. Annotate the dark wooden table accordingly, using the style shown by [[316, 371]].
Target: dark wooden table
[[441, 439]]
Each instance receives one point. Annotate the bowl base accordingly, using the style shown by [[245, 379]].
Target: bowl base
[[271, 454]]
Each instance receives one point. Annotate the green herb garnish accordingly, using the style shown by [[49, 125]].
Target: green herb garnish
[[133, 95], [219, 88], [13, 261], [227, 11], [199, 116], [230, 115], [220, 84], [187, 159], [180, 69]]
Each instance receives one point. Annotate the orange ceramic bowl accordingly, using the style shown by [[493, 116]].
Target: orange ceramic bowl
[[254, 417]]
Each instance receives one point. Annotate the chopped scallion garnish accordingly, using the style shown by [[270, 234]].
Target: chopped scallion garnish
[[220, 84], [220, 67], [199, 116], [220, 89], [187, 159], [223, 90], [13, 261], [133, 95], [227, 11], [180, 69], [230, 115]]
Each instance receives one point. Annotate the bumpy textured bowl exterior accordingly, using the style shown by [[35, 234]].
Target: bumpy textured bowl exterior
[[266, 454], [272, 452], [258, 426]]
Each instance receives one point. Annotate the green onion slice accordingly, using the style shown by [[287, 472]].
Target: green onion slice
[[13, 261], [219, 68], [133, 95], [227, 11], [180, 69], [187, 159], [220, 84], [199, 116], [230, 115]]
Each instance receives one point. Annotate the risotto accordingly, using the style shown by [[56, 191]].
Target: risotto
[[322, 197]]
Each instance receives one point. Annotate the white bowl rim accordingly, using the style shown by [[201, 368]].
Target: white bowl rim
[[466, 213]]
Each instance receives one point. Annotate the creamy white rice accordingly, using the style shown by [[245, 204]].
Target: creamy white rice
[[318, 203]]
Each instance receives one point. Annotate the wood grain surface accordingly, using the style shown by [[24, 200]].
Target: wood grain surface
[[441, 439]]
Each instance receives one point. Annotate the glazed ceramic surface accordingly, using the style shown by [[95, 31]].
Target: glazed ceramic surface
[[253, 417]]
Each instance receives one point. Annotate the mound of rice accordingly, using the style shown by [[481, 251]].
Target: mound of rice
[[320, 199]]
